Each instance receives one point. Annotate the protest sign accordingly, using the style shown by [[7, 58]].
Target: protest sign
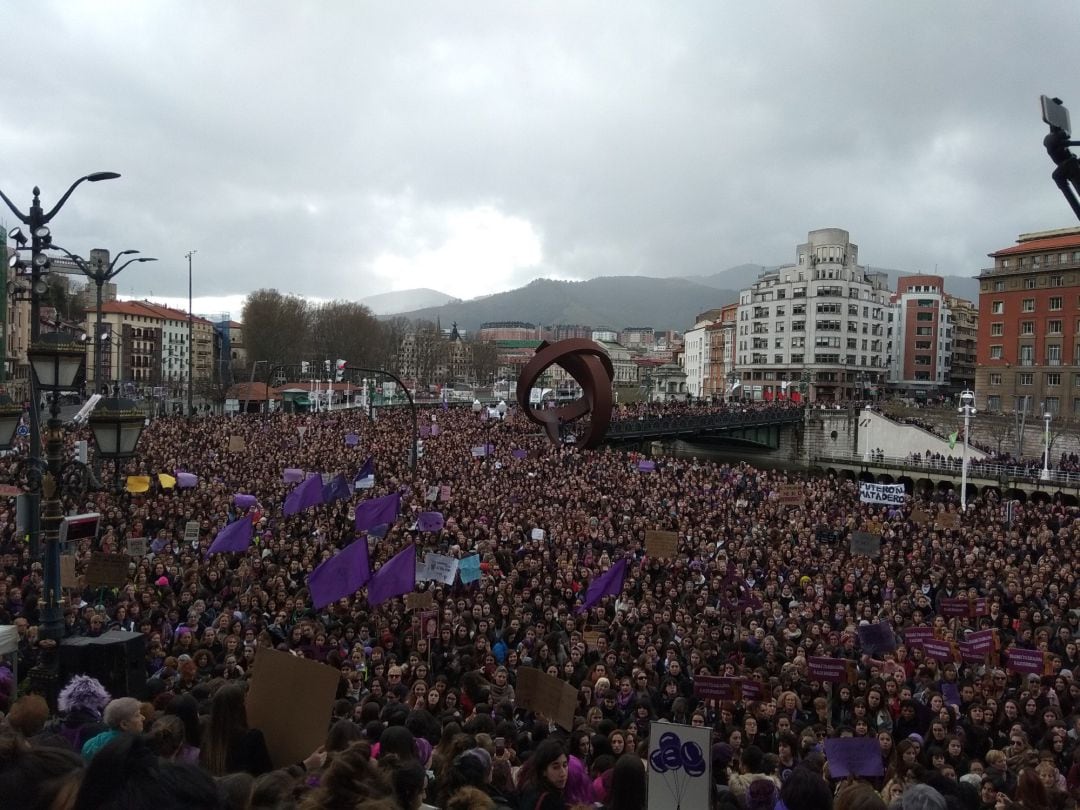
[[953, 607], [939, 650], [946, 520], [917, 636], [679, 766], [137, 546], [68, 578], [790, 494], [1028, 662], [547, 695], [237, 445], [290, 701], [590, 638], [191, 532], [107, 570], [853, 756], [866, 544], [441, 567], [444, 492], [831, 670], [876, 638], [752, 690], [419, 600], [717, 687], [429, 621], [919, 517], [432, 494], [888, 494], [469, 568], [537, 534], [662, 545]]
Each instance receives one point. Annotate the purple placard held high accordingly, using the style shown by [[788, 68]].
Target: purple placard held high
[[877, 638], [918, 636], [1029, 662], [853, 756], [833, 670]]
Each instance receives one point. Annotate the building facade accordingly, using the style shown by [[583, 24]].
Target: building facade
[[920, 337], [965, 320], [1029, 334], [508, 330], [697, 357], [819, 323]]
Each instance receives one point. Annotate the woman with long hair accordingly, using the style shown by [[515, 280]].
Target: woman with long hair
[[543, 777], [228, 744], [628, 785]]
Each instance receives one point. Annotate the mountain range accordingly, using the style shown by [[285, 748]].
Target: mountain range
[[614, 302]]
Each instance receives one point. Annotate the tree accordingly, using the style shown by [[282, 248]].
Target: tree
[[277, 327], [483, 360], [346, 330]]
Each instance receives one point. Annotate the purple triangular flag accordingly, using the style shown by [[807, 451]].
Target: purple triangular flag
[[234, 537], [379, 531], [430, 521], [610, 583], [425, 431], [186, 480], [378, 510], [396, 577], [309, 493], [342, 575], [336, 490], [351, 440], [366, 471]]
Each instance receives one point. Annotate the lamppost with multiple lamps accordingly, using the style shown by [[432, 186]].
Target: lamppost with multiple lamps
[[412, 407], [967, 410], [1046, 446], [37, 221]]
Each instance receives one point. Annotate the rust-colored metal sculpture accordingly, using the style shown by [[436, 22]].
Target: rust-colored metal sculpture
[[588, 363]]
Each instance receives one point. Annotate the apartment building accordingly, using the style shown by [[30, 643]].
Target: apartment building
[[1029, 324], [819, 324], [920, 337]]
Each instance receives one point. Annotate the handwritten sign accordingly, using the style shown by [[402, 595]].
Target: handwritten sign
[[790, 494], [419, 600], [68, 578], [919, 517], [661, 544], [137, 546], [191, 532], [947, 520], [107, 570]]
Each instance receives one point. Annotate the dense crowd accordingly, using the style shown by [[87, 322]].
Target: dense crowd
[[758, 588]]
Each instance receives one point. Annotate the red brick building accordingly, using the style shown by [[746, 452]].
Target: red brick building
[[1029, 325]]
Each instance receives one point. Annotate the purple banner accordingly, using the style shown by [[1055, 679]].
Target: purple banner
[[853, 756], [1029, 662], [715, 687], [939, 650], [832, 670], [292, 475], [918, 636]]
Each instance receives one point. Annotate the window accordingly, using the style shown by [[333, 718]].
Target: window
[[924, 316], [1053, 405], [995, 379], [997, 307], [1027, 355], [999, 286], [1053, 379], [1076, 406], [1029, 305], [1053, 327], [993, 403], [922, 360], [1025, 378], [996, 352], [922, 344], [997, 329], [1055, 303], [1029, 284], [924, 331], [1056, 281], [1027, 327]]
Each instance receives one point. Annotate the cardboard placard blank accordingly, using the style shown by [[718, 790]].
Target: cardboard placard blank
[[108, 571], [541, 693], [238, 445], [919, 517], [290, 701], [68, 578], [946, 520], [590, 637], [419, 600], [661, 544]]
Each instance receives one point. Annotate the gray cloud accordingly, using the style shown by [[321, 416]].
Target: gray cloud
[[305, 145]]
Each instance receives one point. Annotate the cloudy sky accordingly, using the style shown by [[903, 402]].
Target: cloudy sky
[[341, 149]]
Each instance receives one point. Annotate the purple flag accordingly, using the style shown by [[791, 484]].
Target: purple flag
[[351, 440], [336, 490], [309, 493], [234, 537], [435, 430], [425, 431], [342, 575], [378, 510], [430, 521], [366, 471], [292, 475], [876, 638], [610, 583], [397, 576], [244, 501], [853, 756], [520, 453], [646, 466], [379, 531], [186, 480]]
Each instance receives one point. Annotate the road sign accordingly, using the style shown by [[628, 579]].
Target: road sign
[[22, 430]]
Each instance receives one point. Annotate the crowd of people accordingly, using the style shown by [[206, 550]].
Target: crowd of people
[[760, 587]]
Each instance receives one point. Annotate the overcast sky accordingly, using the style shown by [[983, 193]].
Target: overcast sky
[[342, 149]]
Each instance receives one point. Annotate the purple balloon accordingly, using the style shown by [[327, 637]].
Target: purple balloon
[[656, 761], [672, 758], [692, 759], [669, 740]]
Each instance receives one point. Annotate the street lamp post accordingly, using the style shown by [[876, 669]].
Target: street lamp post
[[967, 408], [117, 425], [37, 221], [1046, 446], [412, 407], [190, 339], [868, 412]]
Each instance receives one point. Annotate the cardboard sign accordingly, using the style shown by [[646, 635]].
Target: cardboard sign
[[238, 445], [418, 600], [537, 534], [429, 622], [432, 494], [444, 492], [68, 578], [662, 545], [191, 532], [137, 546], [590, 638], [679, 767], [441, 567], [541, 693], [790, 494], [939, 650], [830, 670], [866, 544], [1028, 662], [947, 520], [108, 571], [716, 687], [290, 701], [853, 756], [919, 517]]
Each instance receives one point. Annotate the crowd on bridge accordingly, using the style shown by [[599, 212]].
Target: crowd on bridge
[[761, 587]]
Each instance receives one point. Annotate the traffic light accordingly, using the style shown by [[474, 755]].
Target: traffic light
[[304, 366], [419, 449], [340, 370], [80, 454]]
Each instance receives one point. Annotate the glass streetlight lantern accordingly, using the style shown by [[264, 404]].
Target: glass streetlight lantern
[[476, 406], [10, 418], [117, 425], [56, 362]]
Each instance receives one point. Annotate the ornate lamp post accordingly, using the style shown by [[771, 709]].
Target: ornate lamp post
[[117, 426], [10, 419]]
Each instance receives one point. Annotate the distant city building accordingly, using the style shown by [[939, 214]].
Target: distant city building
[[697, 352], [920, 337], [637, 338], [605, 336], [1029, 343], [823, 317], [965, 318], [507, 330], [565, 331]]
